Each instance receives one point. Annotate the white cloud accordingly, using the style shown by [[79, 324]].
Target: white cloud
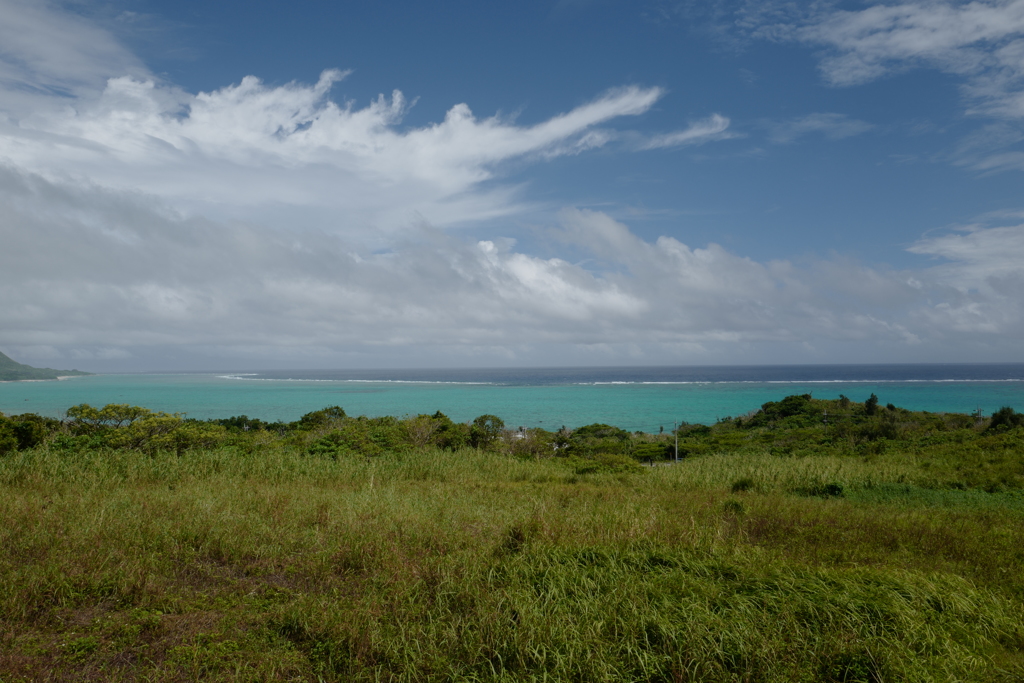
[[46, 52], [112, 272], [276, 220], [979, 286], [833, 126], [979, 42], [980, 254], [712, 128], [75, 105], [982, 40], [236, 151]]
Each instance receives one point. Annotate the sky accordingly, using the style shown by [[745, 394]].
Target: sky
[[228, 186]]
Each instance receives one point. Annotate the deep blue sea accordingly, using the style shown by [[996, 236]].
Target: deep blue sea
[[634, 398]]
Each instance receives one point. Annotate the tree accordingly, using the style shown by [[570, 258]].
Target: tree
[[485, 430], [1006, 418], [421, 429], [321, 418], [111, 416], [8, 440], [871, 405]]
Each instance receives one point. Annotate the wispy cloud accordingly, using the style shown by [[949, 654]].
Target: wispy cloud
[[982, 40], [831, 125], [979, 42], [715, 127], [247, 146], [47, 52]]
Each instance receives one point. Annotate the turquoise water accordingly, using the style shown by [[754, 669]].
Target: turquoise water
[[632, 406]]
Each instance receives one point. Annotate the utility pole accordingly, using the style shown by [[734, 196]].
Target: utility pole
[[675, 428]]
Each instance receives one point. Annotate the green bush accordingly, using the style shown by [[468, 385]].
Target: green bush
[[8, 439], [318, 419], [485, 430], [368, 437], [1005, 418], [653, 450]]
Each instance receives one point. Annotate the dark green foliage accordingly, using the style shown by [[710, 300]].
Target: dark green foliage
[[1006, 418], [330, 445], [21, 432], [792, 411], [451, 436], [603, 438], [645, 451], [31, 430], [244, 423], [320, 418], [567, 445], [829, 490], [362, 436], [602, 431], [871, 405], [693, 430], [851, 667], [733, 507], [8, 439], [886, 427], [743, 484]]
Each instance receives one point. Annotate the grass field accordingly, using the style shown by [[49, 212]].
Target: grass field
[[273, 563]]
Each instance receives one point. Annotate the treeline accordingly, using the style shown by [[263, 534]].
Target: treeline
[[796, 425], [328, 432]]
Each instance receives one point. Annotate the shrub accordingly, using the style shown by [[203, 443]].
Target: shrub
[[744, 484], [8, 440], [653, 450], [369, 437], [822, 490], [31, 429], [602, 431], [1005, 418], [733, 507], [485, 431], [871, 405], [162, 432], [324, 417], [244, 423], [85, 419], [531, 443]]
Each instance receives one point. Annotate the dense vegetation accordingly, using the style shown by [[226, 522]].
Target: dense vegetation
[[808, 541], [11, 371]]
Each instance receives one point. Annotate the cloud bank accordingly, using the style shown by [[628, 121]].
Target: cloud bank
[[120, 273], [260, 222]]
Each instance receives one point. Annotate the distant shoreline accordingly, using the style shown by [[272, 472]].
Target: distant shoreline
[[51, 379]]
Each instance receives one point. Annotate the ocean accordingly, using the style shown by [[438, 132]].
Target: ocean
[[633, 398]]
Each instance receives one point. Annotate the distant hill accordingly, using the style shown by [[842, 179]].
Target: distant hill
[[11, 370]]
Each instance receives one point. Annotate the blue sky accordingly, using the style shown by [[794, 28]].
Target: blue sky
[[241, 185]]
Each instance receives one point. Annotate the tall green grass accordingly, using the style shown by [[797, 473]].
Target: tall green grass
[[430, 565]]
